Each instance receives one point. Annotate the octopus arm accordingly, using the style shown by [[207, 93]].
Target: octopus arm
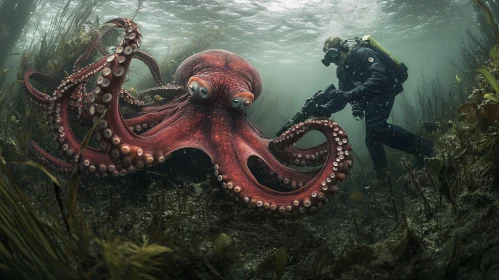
[[147, 59], [292, 155], [69, 146], [40, 98], [153, 66], [230, 158], [123, 146], [166, 91], [154, 120], [114, 138], [58, 109], [182, 130], [283, 177], [94, 42]]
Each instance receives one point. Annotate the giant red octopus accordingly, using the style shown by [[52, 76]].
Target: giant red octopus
[[205, 111]]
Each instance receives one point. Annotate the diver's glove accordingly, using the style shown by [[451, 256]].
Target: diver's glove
[[338, 99], [314, 106], [321, 111], [358, 115], [356, 94], [318, 105], [357, 111], [342, 96]]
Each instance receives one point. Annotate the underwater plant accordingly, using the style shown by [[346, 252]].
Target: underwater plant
[[475, 49], [437, 103], [55, 53], [66, 38]]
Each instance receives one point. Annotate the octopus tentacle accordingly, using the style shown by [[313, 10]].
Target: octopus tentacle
[[67, 143], [292, 155], [147, 59], [117, 139], [240, 183], [86, 55], [49, 160], [40, 98], [129, 98], [282, 176], [59, 119], [152, 64], [108, 27], [157, 146], [93, 160], [77, 78], [167, 91]]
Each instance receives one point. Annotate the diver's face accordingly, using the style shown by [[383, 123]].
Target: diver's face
[[341, 59], [332, 54]]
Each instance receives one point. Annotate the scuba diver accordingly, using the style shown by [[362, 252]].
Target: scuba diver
[[369, 79]]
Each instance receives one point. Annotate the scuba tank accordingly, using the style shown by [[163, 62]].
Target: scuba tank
[[399, 68]]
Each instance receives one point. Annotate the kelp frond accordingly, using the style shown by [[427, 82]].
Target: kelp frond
[[29, 247], [126, 260]]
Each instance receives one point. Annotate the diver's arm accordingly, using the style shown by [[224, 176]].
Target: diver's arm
[[339, 75], [376, 80]]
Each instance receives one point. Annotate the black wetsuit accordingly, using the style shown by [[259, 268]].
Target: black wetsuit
[[373, 88]]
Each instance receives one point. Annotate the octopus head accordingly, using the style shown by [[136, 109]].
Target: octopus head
[[220, 77]]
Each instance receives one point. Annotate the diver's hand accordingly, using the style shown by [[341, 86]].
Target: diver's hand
[[315, 106], [321, 111], [337, 100], [342, 96], [358, 115], [357, 111], [319, 98]]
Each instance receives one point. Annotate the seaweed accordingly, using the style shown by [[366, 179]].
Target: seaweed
[[475, 49], [66, 37]]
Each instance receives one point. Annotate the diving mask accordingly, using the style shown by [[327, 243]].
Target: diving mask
[[330, 56]]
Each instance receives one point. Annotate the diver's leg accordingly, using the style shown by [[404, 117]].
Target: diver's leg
[[376, 151], [395, 136], [405, 141], [376, 113]]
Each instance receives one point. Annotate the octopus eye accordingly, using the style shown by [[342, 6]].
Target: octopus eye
[[204, 92], [240, 103], [198, 91]]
